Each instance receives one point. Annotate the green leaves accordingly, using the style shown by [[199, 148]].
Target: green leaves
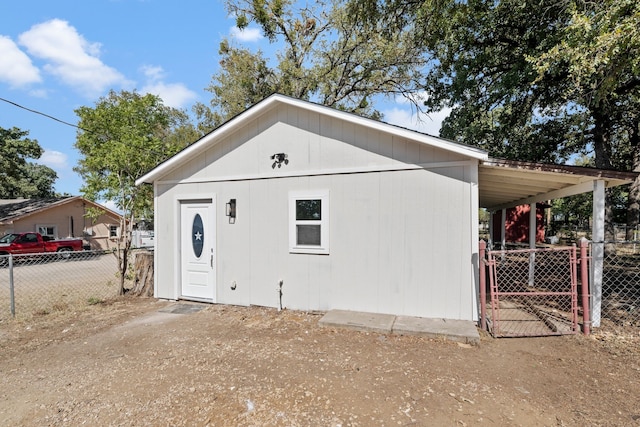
[[599, 52], [128, 135], [18, 176], [323, 54]]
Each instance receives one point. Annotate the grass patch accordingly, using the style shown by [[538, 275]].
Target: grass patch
[[95, 301]]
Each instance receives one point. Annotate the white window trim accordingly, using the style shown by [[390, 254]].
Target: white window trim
[[325, 212], [109, 231], [55, 229]]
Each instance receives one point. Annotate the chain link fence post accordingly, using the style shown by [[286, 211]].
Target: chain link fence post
[[12, 294], [584, 283], [482, 252]]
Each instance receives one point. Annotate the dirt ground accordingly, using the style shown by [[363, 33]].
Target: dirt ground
[[125, 363]]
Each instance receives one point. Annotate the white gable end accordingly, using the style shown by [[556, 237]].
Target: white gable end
[[312, 143], [317, 136]]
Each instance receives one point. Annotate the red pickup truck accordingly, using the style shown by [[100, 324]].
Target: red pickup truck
[[33, 243]]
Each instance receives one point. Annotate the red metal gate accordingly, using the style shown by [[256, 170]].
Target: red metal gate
[[532, 292]]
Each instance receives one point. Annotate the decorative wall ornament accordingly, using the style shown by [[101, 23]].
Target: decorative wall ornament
[[279, 159]]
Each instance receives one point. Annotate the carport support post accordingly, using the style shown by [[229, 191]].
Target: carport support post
[[597, 251], [503, 232], [491, 227], [482, 253], [532, 242]]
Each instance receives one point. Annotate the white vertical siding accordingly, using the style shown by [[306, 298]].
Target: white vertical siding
[[401, 241], [234, 262], [396, 245], [311, 141]]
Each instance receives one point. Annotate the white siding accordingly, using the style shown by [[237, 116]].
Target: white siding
[[396, 243], [401, 240], [312, 143]]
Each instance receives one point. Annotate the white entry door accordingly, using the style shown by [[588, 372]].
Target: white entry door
[[198, 245]]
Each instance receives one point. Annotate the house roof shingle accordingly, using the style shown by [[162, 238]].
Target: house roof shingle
[[11, 209]]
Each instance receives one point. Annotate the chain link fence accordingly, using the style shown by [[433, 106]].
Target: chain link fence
[[38, 284], [621, 283]]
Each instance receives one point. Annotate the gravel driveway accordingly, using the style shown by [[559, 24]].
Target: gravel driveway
[[127, 363]]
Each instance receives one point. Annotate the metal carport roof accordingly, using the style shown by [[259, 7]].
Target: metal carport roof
[[508, 183]]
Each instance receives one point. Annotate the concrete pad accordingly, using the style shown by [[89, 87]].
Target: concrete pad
[[367, 322], [453, 330], [183, 308]]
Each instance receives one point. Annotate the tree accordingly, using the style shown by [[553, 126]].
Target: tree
[[18, 176], [483, 72], [527, 80], [536, 80], [324, 57], [122, 137], [599, 53]]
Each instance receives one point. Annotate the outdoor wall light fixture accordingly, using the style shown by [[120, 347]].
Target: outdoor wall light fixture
[[231, 211], [279, 159]]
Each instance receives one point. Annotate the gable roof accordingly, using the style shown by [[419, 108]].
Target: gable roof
[[502, 183], [276, 100], [15, 209]]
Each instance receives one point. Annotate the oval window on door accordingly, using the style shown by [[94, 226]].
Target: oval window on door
[[197, 235]]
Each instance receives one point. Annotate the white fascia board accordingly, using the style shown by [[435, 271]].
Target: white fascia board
[[236, 122]]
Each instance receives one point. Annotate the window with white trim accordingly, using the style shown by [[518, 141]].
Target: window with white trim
[[48, 231], [113, 231], [309, 222]]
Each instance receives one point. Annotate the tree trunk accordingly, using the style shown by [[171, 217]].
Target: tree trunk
[[123, 264], [633, 206], [143, 282]]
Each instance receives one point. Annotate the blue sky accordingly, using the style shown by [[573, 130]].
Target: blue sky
[[56, 56]]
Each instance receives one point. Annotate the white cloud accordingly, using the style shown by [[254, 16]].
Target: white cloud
[[54, 159], [153, 72], [15, 66], [70, 57], [175, 95], [39, 93], [246, 35], [110, 204], [405, 115], [408, 118]]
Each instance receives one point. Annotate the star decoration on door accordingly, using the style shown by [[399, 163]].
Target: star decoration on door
[[198, 236]]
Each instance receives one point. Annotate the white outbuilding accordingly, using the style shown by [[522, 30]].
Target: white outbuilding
[[297, 205]]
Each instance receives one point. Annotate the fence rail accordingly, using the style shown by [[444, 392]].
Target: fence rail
[[37, 284]]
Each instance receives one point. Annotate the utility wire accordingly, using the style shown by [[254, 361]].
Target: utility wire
[[45, 115]]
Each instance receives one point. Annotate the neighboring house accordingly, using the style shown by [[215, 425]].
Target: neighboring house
[[60, 218], [516, 229]]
